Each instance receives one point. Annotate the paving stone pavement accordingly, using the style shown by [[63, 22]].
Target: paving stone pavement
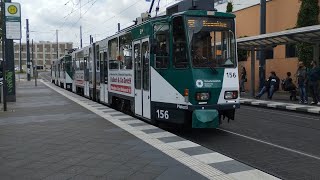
[[47, 136]]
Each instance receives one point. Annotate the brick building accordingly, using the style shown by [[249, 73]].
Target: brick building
[[281, 15], [44, 53]]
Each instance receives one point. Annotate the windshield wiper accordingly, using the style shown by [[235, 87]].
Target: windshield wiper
[[210, 64]]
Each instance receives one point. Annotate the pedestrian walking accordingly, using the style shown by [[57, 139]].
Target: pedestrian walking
[[243, 79], [314, 77], [271, 85], [302, 82]]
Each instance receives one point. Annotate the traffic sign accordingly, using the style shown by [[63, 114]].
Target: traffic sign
[[13, 20]]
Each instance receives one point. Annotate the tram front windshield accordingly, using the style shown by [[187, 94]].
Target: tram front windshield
[[212, 42]]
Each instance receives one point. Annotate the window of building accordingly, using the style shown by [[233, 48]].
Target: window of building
[[291, 50], [126, 51], [179, 44], [113, 52], [161, 32], [268, 54]]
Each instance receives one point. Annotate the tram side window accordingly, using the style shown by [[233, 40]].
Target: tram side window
[[98, 59], [101, 64], [105, 60], [137, 69], [146, 67], [162, 40], [81, 61], [126, 51], [179, 44], [113, 53]]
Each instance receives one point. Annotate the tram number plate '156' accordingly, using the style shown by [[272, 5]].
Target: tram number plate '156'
[[231, 75], [162, 114]]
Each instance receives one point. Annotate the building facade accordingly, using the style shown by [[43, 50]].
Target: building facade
[[281, 15], [43, 53]]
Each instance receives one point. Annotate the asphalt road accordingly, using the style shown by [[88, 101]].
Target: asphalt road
[[281, 143], [284, 144]]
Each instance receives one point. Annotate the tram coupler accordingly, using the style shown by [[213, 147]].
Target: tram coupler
[[230, 114]]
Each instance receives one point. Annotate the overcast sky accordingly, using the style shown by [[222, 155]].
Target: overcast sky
[[99, 17]]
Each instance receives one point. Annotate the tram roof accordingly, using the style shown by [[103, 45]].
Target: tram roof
[[309, 34]]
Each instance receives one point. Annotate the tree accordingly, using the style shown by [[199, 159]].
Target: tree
[[307, 16], [229, 7]]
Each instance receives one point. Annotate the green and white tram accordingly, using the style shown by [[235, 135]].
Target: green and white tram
[[179, 68], [62, 72]]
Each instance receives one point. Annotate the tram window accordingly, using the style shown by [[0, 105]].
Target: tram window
[[179, 44], [145, 61], [101, 65], [126, 51], [162, 40], [98, 59], [113, 50], [137, 69], [81, 64], [105, 60]]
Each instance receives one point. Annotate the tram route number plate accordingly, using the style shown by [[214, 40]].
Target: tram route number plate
[[162, 114]]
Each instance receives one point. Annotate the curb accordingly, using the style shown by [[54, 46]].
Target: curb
[[281, 106]]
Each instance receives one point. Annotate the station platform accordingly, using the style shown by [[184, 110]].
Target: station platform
[[51, 133], [280, 100]]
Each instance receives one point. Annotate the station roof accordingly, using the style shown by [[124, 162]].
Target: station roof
[[310, 34]]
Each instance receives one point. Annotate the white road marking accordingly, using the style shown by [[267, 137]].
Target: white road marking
[[252, 175], [210, 158], [182, 144], [161, 135], [271, 144]]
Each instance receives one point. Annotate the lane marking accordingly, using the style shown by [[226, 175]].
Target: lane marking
[[281, 113], [271, 144]]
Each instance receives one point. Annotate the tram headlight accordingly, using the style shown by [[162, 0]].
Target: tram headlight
[[231, 95], [202, 96]]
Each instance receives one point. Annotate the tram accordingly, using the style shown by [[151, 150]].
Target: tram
[[177, 68]]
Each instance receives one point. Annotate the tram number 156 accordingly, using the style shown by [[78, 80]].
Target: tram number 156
[[162, 114]]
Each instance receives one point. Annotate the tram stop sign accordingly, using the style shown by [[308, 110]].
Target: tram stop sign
[[13, 20]]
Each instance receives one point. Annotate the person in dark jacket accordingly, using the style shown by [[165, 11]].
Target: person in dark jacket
[[243, 79], [314, 77], [288, 85], [271, 85], [302, 82]]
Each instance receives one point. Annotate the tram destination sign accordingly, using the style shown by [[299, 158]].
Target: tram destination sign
[[13, 20], [208, 22]]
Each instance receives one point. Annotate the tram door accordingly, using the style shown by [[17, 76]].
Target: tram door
[[142, 78]]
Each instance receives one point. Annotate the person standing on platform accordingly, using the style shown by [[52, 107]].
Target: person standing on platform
[[314, 77], [243, 79], [302, 82]]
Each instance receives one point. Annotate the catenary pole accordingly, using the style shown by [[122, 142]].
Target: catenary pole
[[28, 53]]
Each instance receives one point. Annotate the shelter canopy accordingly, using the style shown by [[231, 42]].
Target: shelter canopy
[[310, 34]]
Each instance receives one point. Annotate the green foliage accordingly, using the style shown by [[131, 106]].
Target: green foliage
[[308, 16], [229, 7], [305, 52]]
